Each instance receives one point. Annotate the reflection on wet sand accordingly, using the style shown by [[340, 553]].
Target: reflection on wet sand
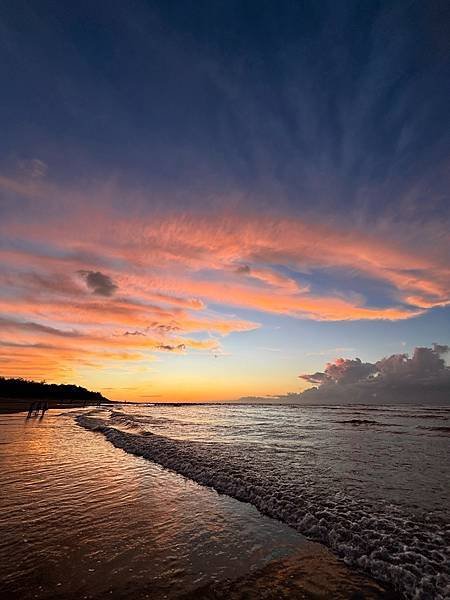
[[81, 518], [311, 573]]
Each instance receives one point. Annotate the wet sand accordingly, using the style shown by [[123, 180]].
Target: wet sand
[[83, 519], [311, 573], [15, 405]]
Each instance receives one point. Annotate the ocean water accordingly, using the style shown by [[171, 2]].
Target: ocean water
[[371, 483], [81, 519]]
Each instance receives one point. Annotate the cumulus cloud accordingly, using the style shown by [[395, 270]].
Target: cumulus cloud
[[441, 348], [99, 283], [316, 378], [423, 378], [425, 363], [342, 371], [423, 375]]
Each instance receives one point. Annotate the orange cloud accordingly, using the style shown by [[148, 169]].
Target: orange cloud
[[130, 284]]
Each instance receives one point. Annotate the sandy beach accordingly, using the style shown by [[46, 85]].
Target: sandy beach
[[14, 405]]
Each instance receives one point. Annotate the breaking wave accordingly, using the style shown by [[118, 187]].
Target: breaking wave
[[409, 552]]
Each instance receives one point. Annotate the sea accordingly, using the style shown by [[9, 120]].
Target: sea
[[203, 493]]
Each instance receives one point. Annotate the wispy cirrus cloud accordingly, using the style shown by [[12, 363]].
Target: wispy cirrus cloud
[[148, 280], [246, 252]]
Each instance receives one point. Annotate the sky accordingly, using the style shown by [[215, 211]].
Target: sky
[[204, 200]]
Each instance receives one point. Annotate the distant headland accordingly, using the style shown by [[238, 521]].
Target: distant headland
[[17, 393]]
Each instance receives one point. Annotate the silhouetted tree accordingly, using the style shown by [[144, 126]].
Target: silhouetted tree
[[24, 388]]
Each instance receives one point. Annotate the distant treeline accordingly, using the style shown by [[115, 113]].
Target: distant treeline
[[23, 388]]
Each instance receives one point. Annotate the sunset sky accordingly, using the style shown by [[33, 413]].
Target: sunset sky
[[202, 200]]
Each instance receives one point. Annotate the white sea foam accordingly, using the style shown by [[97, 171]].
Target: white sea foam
[[408, 550]]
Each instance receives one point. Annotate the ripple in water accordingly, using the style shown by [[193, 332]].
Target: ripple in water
[[372, 484], [82, 519]]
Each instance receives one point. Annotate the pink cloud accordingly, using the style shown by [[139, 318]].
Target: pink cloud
[[80, 263]]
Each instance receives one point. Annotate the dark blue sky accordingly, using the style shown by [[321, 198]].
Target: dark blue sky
[[309, 98]]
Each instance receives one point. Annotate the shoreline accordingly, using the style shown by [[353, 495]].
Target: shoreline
[[312, 573], [349, 580], [355, 532], [316, 571], [20, 405], [266, 559]]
